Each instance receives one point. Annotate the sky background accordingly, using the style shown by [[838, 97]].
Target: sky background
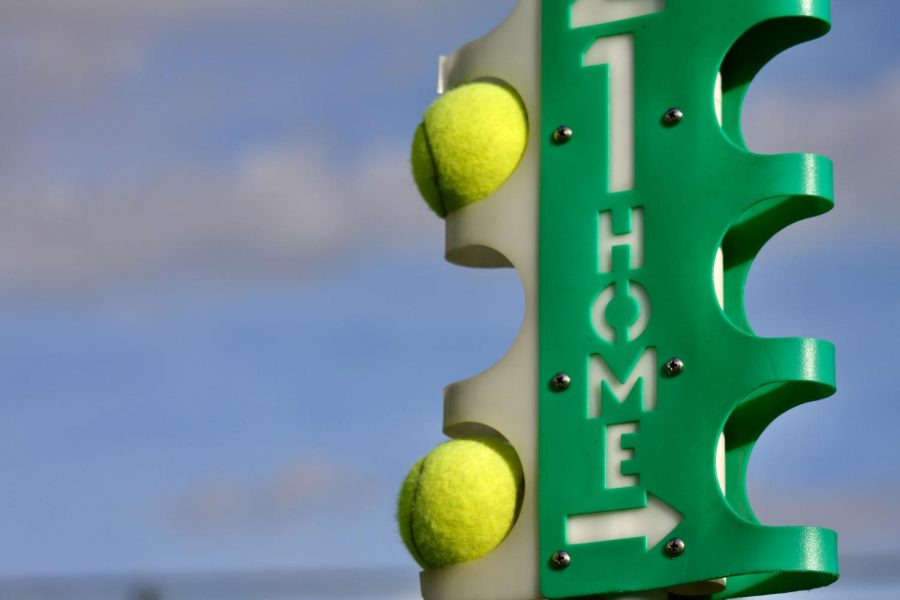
[[226, 316]]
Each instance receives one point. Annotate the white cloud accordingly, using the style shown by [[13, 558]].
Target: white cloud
[[52, 45], [864, 516], [285, 206], [854, 126], [304, 486], [281, 209], [319, 12]]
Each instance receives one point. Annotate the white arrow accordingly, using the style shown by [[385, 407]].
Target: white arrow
[[654, 522]]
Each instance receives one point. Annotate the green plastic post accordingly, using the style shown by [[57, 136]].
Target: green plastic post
[[696, 188]]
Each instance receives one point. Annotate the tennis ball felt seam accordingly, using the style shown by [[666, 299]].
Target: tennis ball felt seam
[[422, 163], [469, 143], [434, 166]]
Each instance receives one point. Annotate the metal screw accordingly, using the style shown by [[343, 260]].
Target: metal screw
[[674, 366], [673, 116], [674, 547], [562, 134], [560, 382], [560, 560]]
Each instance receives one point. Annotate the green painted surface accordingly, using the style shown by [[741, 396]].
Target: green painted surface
[[699, 189]]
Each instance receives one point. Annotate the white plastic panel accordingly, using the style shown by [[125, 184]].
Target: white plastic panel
[[644, 371], [597, 12], [617, 52], [616, 455], [607, 295], [501, 230], [652, 522], [609, 240]]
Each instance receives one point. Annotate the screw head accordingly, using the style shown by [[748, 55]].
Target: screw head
[[560, 560], [560, 382], [673, 116], [674, 547], [673, 367], [562, 134]]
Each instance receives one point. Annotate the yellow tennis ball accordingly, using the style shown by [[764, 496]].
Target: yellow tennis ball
[[460, 501], [470, 141]]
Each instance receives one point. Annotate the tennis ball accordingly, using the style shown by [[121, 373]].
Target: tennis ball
[[469, 142], [459, 502]]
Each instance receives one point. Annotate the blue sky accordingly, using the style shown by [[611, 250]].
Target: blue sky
[[227, 316]]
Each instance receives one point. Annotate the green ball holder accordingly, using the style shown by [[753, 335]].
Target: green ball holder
[[636, 389]]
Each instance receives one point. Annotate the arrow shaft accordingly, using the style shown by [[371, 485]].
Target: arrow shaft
[[653, 522]]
